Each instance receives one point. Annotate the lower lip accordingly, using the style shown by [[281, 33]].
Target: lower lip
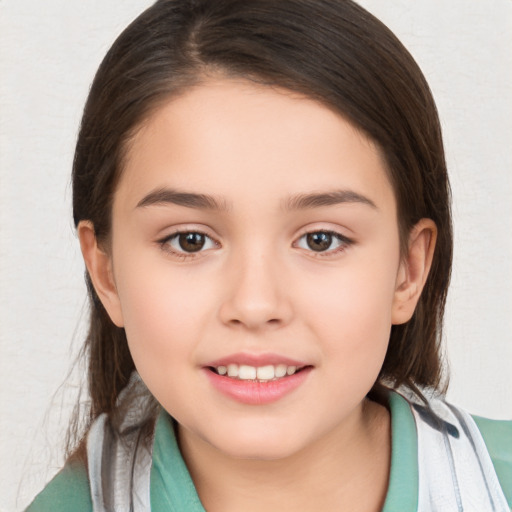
[[252, 392]]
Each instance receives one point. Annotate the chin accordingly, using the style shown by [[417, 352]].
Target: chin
[[263, 445], [262, 452]]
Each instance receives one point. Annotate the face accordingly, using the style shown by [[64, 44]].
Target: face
[[255, 256]]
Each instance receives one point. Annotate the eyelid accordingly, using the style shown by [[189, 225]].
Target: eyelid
[[345, 242], [164, 242]]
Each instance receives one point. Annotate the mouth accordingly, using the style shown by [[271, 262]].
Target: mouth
[[267, 373], [257, 379]]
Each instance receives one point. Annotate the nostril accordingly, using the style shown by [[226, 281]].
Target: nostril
[[245, 309]]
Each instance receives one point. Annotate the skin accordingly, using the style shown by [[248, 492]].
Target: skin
[[257, 287]]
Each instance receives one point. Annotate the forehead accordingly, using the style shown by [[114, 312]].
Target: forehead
[[243, 141]]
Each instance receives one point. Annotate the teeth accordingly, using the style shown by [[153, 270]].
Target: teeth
[[232, 370], [265, 372], [280, 370], [291, 370], [262, 373], [246, 372]]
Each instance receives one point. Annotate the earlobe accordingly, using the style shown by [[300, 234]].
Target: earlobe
[[99, 267], [413, 270]]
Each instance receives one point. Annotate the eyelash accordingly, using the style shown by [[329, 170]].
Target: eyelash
[[343, 241], [165, 244], [183, 255]]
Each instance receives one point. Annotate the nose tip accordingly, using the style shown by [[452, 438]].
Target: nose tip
[[256, 298]]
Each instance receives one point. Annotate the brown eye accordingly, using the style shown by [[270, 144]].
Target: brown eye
[[188, 242], [191, 242], [328, 242], [320, 241]]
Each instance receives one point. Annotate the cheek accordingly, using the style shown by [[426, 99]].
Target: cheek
[[353, 310], [159, 310]]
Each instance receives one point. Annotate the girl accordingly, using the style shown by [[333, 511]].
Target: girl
[[261, 198]]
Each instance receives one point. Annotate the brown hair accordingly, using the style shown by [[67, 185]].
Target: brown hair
[[330, 50]]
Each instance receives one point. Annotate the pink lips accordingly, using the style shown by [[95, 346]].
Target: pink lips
[[256, 360], [253, 392]]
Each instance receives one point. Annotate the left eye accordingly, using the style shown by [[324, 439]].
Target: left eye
[[322, 241], [189, 242]]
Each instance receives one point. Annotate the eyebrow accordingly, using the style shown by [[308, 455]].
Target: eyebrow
[[317, 200], [164, 196]]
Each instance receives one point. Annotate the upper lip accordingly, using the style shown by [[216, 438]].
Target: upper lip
[[256, 360]]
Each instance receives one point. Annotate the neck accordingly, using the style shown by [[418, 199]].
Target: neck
[[347, 469]]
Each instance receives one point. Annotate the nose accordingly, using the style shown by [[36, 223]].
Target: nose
[[256, 295]]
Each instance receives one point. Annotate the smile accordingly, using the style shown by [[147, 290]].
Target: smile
[[257, 380], [256, 373]]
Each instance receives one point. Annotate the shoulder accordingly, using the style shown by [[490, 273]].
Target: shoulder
[[489, 440], [68, 490], [497, 436]]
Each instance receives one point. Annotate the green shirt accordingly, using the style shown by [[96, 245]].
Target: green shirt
[[172, 489]]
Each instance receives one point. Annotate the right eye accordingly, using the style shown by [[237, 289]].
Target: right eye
[[188, 242], [323, 242]]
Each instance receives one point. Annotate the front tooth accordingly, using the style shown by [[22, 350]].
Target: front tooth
[[280, 370], [291, 370], [222, 370], [265, 372], [246, 372], [233, 370]]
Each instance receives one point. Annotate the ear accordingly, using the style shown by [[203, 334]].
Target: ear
[[413, 270], [99, 267]]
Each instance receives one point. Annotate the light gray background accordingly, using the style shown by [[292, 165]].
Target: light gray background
[[48, 54]]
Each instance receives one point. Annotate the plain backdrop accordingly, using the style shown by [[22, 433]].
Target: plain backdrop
[[49, 52]]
